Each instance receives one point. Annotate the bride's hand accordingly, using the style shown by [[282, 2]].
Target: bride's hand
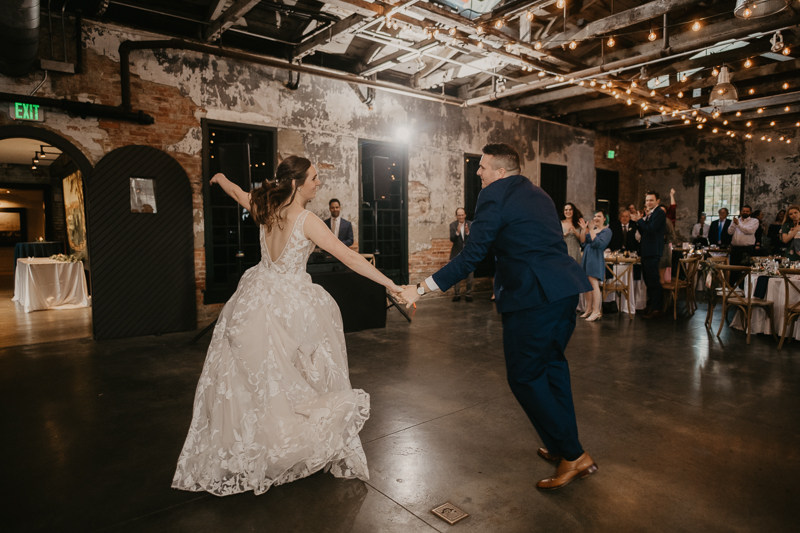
[[395, 289], [218, 177]]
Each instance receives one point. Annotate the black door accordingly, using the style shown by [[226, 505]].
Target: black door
[[472, 188], [383, 221], [139, 204], [607, 193], [554, 183]]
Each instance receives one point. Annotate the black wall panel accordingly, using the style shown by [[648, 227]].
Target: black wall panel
[[143, 279]]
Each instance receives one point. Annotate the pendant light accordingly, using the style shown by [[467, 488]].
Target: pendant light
[[724, 93], [753, 9]]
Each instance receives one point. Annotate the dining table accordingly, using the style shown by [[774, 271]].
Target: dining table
[[773, 289], [41, 283]]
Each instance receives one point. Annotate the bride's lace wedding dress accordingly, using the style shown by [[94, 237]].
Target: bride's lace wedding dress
[[274, 402]]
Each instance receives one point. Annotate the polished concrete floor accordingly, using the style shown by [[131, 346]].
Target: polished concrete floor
[[691, 433]]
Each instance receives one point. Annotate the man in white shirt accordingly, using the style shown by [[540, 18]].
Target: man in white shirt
[[459, 233], [743, 231], [339, 226]]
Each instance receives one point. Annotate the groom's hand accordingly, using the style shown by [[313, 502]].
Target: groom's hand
[[409, 295]]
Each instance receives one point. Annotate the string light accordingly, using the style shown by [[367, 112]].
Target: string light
[[652, 37], [787, 108], [560, 78], [560, 4], [725, 122], [581, 83], [684, 79], [538, 45], [627, 91], [772, 123], [788, 141], [694, 113], [715, 72], [652, 93], [509, 47], [696, 26], [573, 45], [749, 123], [616, 95], [687, 121], [604, 86], [633, 84], [749, 136], [436, 32], [699, 126], [480, 44], [715, 130], [780, 138], [785, 86], [529, 15], [499, 23], [572, 80], [748, 63], [680, 94], [479, 30], [611, 42], [760, 110], [738, 113], [747, 13], [751, 91], [592, 83], [763, 137], [786, 51], [769, 139], [452, 31], [629, 101]]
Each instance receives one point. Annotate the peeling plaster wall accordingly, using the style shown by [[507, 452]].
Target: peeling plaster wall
[[322, 120], [771, 179]]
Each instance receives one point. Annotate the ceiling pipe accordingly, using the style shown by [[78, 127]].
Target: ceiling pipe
[[19, 36], [126, 47]]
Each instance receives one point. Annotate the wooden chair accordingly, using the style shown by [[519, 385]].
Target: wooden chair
[[792, 311], [688, 267], [622, 283], [716, 260], [740, 295]]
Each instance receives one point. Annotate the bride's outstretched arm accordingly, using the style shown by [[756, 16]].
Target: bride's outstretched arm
[[232, 190], [316, 230]]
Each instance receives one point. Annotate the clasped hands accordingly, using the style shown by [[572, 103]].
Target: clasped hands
[[406, 294]]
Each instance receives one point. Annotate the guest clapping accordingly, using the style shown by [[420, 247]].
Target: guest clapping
[[573, 233], [700, 230], [790, 233], [597, 238]]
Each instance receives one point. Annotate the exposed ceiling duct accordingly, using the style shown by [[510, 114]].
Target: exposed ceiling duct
[[19, 36], [753, 9]]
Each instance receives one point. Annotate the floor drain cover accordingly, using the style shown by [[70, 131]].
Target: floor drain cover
[[449, 513]]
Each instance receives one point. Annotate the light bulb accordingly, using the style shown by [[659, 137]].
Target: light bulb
[[787, 108], [652, 93], [696, 26], [699, 126], [573, 45], [748, 63], [786, 51], [738, 113], [680, 94], [452, 31], [616, 95], [687, 121], [760, 110], [715, 72], [611, 42], [479, 30], [436, 32], [747, 12], [788, 141], [780, 138], [749, 123], [633, 84], [560, 4], [763, 137], [581, 83], [498, 24], [480, 44], [538, 45], [694, 113], [652, 36], [529, 15], [724, 122], [542, 74], [684, 78], [715, 130], [592, 83], [785, 86], [769, 139], [628, 91], [629, 101], [749, 136], [772, 123]]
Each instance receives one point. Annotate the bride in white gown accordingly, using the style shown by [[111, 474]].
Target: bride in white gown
[[274, 401]]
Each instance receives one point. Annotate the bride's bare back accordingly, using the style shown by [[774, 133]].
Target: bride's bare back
[[278, 237]]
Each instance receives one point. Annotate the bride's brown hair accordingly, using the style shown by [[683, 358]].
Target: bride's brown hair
[[267, 202]]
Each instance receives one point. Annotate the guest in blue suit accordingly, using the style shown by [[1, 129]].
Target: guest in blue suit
[[598, 235], [536, 287], [340, 227], [651, 226]]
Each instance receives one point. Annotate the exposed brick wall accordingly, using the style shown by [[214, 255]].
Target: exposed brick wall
[[423, 264]]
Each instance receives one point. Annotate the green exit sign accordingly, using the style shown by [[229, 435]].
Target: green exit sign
[[611, 154], [20, 111]]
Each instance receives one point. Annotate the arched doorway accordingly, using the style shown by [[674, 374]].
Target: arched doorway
[[42, 180], [140, 221]]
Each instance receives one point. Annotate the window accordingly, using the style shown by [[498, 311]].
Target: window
[[721, 190], [247, 156]]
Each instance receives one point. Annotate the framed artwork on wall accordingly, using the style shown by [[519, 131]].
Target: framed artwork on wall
[[13, 226], [74, 211]]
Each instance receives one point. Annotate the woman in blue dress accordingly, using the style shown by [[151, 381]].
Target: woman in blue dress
[[597, 238]]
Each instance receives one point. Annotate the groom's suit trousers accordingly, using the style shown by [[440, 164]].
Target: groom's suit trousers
[[534, 340]]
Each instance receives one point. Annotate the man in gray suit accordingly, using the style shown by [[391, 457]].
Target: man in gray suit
[[459, 233]]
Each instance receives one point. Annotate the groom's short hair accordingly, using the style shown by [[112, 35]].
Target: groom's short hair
[[505, 156]]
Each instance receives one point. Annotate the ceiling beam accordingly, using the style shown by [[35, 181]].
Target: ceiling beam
[[398, 57], [744, 74], [621, 20], [239, 9], [543, 98], [215, 10], [321, 39]]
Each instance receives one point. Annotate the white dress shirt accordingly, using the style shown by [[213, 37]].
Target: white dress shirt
[[744, 233], [335, 226], [700, 228]]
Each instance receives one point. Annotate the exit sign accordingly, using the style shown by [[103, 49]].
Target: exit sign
[[611, 154], [20, 111]]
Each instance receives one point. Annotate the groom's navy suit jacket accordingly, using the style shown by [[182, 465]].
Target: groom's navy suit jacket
[[532, 265]]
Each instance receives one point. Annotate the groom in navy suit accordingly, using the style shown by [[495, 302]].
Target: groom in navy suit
[[536, 288]]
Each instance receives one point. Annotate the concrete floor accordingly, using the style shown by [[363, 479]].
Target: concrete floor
[[691, 434]]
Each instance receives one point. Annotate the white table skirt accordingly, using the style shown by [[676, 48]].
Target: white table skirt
[[776, 292], [42, 283], [639, 300]]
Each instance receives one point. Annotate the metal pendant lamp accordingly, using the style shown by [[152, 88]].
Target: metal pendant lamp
[[724, 92], [753, 9]]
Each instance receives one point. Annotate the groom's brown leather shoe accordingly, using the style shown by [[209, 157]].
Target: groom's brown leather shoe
[[547, 456], [569, 470]]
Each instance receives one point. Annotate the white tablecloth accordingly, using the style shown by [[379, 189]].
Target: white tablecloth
[[776, 292], [41, 283]]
